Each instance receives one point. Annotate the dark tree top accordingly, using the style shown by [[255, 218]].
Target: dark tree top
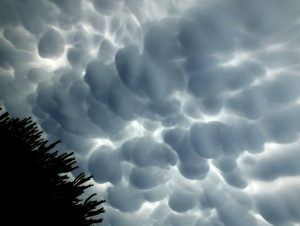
[[36, 188]]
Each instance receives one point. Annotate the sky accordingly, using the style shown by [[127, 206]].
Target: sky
[[185, 112]]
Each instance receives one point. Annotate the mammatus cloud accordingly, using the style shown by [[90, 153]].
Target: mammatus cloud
[[51, 44], [185, 112]]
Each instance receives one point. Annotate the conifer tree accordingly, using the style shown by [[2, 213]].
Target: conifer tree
[[36, 185]]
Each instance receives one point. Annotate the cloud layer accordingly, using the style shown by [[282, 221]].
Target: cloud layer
[[186, 113]]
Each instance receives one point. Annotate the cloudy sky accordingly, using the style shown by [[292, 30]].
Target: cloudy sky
[[187, 112]]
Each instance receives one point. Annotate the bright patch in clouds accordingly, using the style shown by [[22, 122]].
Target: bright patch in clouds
[[185, 112]]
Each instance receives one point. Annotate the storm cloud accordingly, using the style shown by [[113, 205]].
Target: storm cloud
[[185, 112]]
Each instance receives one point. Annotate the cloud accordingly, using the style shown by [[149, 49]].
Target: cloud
[[51, 44], [235, 216], [144, 152], [206, 139], [105, 119], [155, 194], [99, 78], [283, 125], [123, 102], [235, 179], [185, 112], [176, 220], [206, 83], [35, 21], [225, 163], [124, 198], [181, 201], [283, 89], [141, 75], [249, 104], [209, 140], [271, 167], [106, 7], [11, 57], [280, 207], [199, 34], [191, 165], [165, 108], [146, 178], [101, 167], [161, 44], [20, 38], [69, 10]]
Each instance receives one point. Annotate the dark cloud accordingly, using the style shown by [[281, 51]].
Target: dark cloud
[[10, 15], [99, 78], [20, 38], [71, 9], [235, 215], [35, 15], [252, 137], [191, 165], [196, 63], [280, 207], [63, 107], [211, 105], [76, 56], [123, 102], [225, 163], [191, 109], [165, 108], [280, 164], [283, 126], [104, 165], [264, 23], [208, 223], [80, 145], [283, 89], [146, 178], [235, 179], [49, 125], [177, 220], [145, 152], [199, 34], [11, 58], [244, 74], [106, 7], [207, 83], [145, 77], [124, 198], [79, 90], [232, 206], [181, 201], [173, 106], [51, 44], [250, 104], [155, 194], [205, 140], [128, 66], [161, 44], [105, 119], [153, 80], [106, 51], [114, 218], [211, 139], [37, 75]]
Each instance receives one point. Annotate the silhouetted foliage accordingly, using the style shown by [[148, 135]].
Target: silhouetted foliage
[[35, 181]]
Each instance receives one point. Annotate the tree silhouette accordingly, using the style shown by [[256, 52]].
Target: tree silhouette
[[35, 180]]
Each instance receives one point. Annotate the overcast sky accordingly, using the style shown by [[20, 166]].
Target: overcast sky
[[187, 112]]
